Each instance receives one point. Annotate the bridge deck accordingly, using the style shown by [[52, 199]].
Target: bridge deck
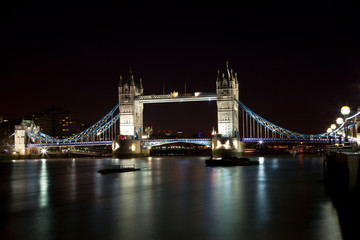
[[94, 143], [167, 98]]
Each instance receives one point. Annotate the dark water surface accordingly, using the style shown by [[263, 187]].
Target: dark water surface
[[170, 198]]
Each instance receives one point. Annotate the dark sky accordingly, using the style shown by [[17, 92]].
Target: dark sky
[[297, 64]]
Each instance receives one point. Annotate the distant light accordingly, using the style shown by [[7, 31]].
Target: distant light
[[261, 160], [333, 126], [43, 150], [227, 144], [235, 143], [197, 94], [261, 142], [329, 130]]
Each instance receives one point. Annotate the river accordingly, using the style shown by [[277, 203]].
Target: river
[[170, 198]]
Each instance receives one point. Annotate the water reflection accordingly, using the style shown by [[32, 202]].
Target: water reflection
[[43, 183], [170, 198]]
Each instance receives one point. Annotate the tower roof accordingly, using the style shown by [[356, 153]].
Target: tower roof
[[226, 75]]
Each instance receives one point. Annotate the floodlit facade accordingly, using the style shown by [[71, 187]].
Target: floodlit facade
[[131, 112], [227, 89]]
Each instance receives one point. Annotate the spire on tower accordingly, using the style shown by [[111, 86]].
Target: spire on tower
[[140, 84]]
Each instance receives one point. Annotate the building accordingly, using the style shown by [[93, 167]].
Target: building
[[58, 123]]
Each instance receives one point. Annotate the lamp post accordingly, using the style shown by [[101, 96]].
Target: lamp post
[[333, 127], [329, 130], [345, 110], [339, 121]]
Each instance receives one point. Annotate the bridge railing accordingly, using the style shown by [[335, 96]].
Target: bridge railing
[[314, 140], [170, 96]]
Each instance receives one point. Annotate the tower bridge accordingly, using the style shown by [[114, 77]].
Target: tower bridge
[[123, 127], [176, 97]]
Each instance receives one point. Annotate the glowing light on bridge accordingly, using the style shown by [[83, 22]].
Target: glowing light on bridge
[[339, 121], [345, 110], [174, 94]]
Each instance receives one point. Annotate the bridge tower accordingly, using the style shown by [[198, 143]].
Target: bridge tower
[[131, 112], [21, 138], [227, 141], [131, 115], [227, 89]]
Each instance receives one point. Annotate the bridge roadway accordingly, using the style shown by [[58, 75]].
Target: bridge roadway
[[200, 141], [94, 143], [175, 97], [286, 140]]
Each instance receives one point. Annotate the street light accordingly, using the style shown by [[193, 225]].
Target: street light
[[339, 121], [345, 110], [329, 130]]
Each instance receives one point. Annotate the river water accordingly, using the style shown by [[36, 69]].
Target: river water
[[170, 198]]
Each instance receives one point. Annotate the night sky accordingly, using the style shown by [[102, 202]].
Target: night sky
[[297, 64]]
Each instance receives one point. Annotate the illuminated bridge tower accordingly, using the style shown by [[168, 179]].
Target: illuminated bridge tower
[[227, 89], [227, 140], [131, 114]]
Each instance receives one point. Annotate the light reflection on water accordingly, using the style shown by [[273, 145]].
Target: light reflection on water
[[43, 182], [170, 198]]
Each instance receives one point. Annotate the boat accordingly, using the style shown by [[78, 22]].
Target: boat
[[230, 161], [118, 168]]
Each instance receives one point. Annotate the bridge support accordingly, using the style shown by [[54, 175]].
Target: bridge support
[[129, 148], [227, 147]]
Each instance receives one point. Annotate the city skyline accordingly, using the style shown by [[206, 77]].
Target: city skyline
[[296, 68]]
